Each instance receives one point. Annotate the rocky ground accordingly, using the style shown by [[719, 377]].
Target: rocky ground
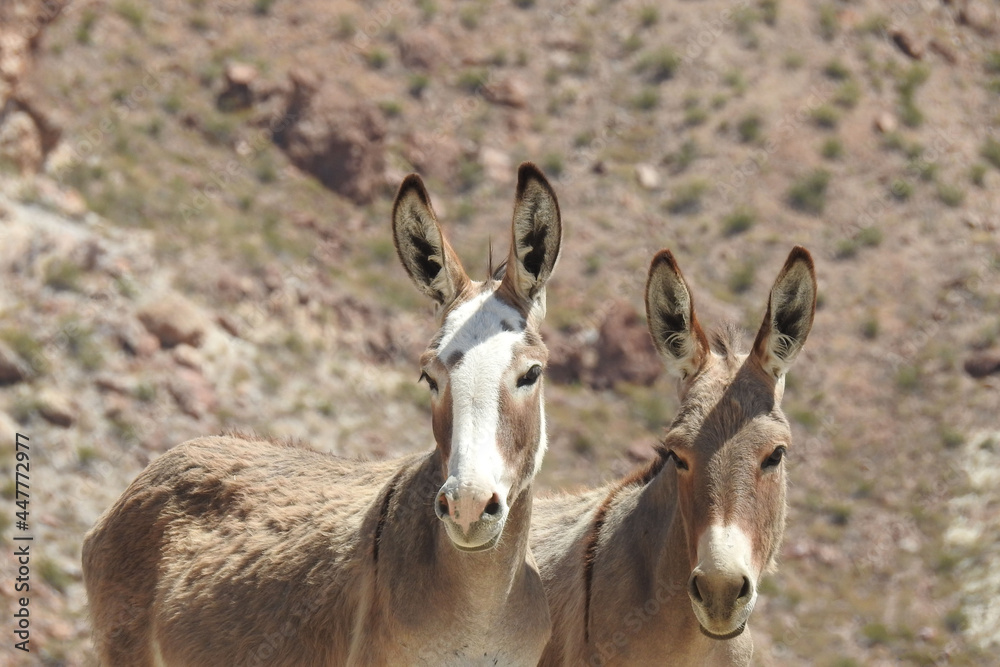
[[194, 236]]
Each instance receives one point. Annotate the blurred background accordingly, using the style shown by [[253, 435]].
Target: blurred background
[[195, 236]]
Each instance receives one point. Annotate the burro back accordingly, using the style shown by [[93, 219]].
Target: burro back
[[236, 550], [663, 566]]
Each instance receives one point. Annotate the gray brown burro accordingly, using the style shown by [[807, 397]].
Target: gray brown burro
[[240, 550]]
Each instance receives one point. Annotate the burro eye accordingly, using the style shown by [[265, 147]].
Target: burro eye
[[774, 459], [678, 461], [430, 381], [530, 377]]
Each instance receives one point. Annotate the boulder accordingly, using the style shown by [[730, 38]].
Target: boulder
[[335, 135], [648, 177], [21, 142], [174, 320], [193, 393], [907, 43], [511, 92], [56, 408], [12, 367], [237, 93], [983, 364], [433, 155], [423, 49], [625, 352]]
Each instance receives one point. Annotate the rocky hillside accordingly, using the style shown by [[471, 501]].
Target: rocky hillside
[[194, 236]]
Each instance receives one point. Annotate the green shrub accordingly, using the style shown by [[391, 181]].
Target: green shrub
[[950, 195], [977, 174], [808, 193], [659, 65], [687, 197], [990, 151], [738, 221], [553, 165], [901, 189], [825, 116], [828, 22], [649, 16], [848, 94], [647, 99], [133, 13], [749, 128], [832, 149], [741, 277], [769, 11], [836, 70]]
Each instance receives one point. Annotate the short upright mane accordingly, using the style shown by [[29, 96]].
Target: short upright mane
[[727, 341]]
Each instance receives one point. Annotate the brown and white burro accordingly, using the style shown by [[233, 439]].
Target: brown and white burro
[[236, 550], [662, 567]]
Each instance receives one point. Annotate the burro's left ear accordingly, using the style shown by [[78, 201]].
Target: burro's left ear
[[536, 236], [789, 315]]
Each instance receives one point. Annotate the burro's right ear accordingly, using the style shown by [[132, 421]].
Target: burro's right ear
[[789, 316], [432, 264], [536, 234], [676, 333]]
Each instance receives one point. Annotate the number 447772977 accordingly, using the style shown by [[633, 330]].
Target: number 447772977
[[21, 481]]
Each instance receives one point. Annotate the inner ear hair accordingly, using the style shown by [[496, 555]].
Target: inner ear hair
[[671, 318], [790, 312], [425, 254], [536, 232]]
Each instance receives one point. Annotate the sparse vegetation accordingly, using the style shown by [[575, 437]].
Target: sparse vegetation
[[836, 70], [833, 148], [659, 65], [901, 189], [132, 12], [647, 99], [866, 237], [84, 29], [769, 11], [553, 165], [749, 128], [418, 84], [829, 25], [738, 221], [848, 94], [808, 194], [990, 151], [977, 174], [870, 327], [471, 80], [687, 197], [825, 116], [908, 83], [63, 274], [649, 15], [950, 195], [741, 277]]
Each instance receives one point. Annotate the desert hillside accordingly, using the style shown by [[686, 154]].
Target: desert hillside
[[195, 236]]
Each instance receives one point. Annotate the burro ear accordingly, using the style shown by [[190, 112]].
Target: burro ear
[[536, 236], [672, 323], [789, 316], [432, 264]]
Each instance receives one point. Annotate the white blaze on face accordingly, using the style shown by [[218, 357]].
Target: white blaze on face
[[475, 329]]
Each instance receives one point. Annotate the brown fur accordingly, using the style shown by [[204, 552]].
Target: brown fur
[[617, 562], [237, 550]]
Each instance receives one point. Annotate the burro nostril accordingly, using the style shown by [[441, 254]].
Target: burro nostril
[[745, 591], [695, 592], [493, 507], [441, 506]]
